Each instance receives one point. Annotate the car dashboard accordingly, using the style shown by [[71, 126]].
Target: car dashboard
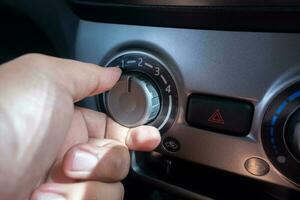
[[221, 81]]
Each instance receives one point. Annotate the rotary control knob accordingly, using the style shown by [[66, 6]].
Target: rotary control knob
[[292, 134], [145, 94], [133, 101]]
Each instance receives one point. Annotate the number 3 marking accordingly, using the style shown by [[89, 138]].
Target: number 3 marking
[[157, 71]]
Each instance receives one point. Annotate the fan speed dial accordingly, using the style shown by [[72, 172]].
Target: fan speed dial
[[145, 94]]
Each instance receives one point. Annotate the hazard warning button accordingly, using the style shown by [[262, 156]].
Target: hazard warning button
[[219, 114], [216, 117]]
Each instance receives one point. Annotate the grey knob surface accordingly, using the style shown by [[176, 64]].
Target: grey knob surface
[[133, 101]]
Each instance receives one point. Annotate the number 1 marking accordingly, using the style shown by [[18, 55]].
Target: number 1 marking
[[122, 64]]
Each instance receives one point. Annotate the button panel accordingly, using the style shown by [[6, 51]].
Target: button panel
[[220, 114]]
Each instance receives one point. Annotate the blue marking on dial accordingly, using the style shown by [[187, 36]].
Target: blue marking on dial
[[274, 119], [281, 107], [294, 96], [272, 138]]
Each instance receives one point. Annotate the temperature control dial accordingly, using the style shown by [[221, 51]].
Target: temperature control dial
[[133, 101], [281, 132], [145, 94]]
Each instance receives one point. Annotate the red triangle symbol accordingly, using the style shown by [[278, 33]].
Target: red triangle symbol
[[216, 117]]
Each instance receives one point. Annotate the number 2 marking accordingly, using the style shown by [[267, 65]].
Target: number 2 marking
[[140, 64]]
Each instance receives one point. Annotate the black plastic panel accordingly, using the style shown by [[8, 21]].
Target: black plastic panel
[[207, 181], [198, 2], [243, 18]]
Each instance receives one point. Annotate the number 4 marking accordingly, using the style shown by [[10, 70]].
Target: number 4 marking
[[168, 89]]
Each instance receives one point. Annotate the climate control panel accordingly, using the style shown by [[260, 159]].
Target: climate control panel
[[223, 99], [145, 94]]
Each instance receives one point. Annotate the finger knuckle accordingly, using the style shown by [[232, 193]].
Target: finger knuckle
[[32, 57]]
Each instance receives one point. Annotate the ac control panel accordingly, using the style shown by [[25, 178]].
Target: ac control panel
[[228, 100]]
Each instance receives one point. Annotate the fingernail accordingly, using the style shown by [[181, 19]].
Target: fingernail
[[47, 196], [84, 161]]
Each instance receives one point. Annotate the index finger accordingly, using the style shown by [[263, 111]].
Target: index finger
[[78, 78]]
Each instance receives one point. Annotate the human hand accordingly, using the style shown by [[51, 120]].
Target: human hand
[[81, 153]]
